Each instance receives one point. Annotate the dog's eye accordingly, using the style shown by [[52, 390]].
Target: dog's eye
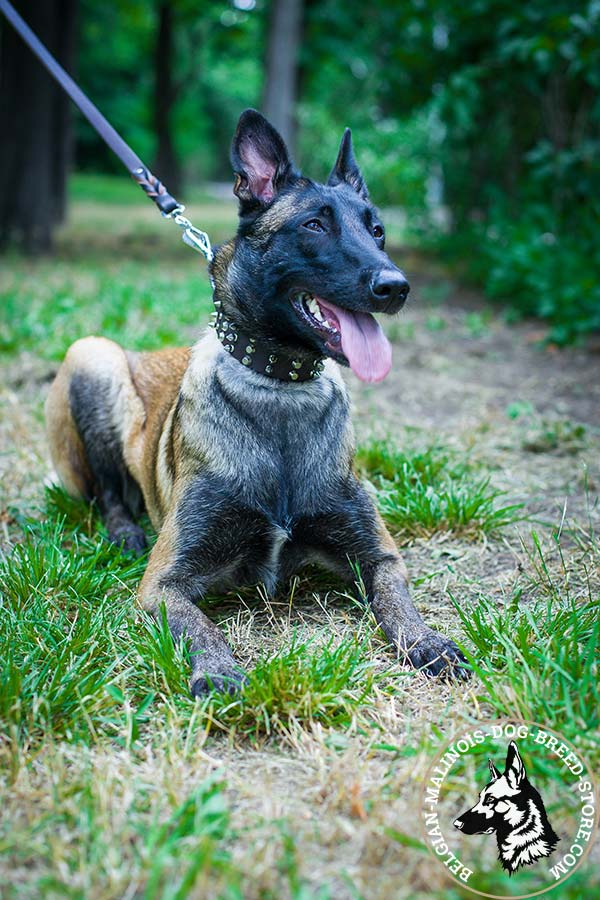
[[377, 232], [314, 225]]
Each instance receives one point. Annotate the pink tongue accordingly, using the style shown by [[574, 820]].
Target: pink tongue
[[364, 344]]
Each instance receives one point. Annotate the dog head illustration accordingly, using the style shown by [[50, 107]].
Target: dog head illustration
[[512, 808]]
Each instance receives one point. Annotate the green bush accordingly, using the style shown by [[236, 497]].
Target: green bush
[[536, 266]]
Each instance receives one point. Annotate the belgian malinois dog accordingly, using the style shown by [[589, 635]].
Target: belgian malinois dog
[[511, 808], [241, 448]]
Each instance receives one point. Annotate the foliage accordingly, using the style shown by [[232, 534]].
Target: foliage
[[518, 144], [481, 120], [217, 71]]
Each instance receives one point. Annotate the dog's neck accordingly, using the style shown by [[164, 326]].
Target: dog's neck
[[255, 354], [252, 350], [529, 841]]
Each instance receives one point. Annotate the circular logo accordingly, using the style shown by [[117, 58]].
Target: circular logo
[[510, 809]]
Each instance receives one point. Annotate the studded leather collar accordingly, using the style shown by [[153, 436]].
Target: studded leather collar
[[256, 356]]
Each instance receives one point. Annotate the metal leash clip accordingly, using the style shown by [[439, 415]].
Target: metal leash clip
[[193, 237]]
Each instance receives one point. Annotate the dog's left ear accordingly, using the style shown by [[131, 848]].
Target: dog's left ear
[[514, 771], [346, 169], [260, 160]]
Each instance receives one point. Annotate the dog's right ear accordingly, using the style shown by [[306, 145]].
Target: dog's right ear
[[494, 772], [260, 160]]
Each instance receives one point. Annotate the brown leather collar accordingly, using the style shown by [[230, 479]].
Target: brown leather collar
[[256, 356]]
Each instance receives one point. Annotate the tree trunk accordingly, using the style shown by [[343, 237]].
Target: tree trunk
[[36, 148], [281, 83], [166, 165]]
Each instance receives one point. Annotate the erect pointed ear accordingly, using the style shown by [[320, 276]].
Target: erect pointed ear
[[514, 771], [346, 170], [494, 772], [260, 160]]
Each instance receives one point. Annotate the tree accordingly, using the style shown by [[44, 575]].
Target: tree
[[34, 162], [166, 163], [281, 83]]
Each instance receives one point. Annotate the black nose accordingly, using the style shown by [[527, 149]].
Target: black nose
[[389, 287]]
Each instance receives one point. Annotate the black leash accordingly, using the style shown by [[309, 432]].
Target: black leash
[[149, 183]]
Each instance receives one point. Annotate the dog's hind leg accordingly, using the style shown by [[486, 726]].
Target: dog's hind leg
[[90, 403]]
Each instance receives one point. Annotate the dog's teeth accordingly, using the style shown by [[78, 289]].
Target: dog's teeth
[[315, 309]]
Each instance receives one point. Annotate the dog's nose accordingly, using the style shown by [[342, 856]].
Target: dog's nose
[[389, 286]]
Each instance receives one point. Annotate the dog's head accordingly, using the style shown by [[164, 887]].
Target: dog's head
[[308, 268], [501, 802]]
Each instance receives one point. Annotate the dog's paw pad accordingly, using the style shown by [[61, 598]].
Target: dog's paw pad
[[437, 656]]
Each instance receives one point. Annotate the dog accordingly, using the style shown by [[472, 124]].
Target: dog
[[512, 809], [240, 449]]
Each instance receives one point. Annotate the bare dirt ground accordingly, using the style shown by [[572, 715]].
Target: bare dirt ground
[[461, 377]]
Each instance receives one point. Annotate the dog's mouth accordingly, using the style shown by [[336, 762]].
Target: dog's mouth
[[353, 337]]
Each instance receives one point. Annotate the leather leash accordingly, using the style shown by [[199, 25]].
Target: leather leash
[[149, 183]]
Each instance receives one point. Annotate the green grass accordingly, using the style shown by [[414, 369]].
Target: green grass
[[120, 191], [120, 270], [538, 655], [45, 309], [65, 639], [305, 683], [79, 661], [431, 490], [164, 845]]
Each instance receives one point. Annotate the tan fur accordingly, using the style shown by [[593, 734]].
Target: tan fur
[[156, 378], [145, 388], [66, 449]]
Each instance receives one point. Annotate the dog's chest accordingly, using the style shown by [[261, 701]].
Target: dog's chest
[[281, 448], [269, 454]]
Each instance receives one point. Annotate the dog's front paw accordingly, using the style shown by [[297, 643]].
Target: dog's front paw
[[226, 682], [130, 537], [436, 655]]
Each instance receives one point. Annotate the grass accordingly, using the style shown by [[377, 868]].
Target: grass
[[303, 684], [79, 661], [538, 657], [165, 845], [113, 782], [92, 188], [45, 309], [428, 491]]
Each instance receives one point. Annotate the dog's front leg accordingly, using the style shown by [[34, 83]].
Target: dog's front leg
[[352, 534], [213, 664], [386, 584]]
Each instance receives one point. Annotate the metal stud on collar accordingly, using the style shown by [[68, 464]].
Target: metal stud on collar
[[252, 355]]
